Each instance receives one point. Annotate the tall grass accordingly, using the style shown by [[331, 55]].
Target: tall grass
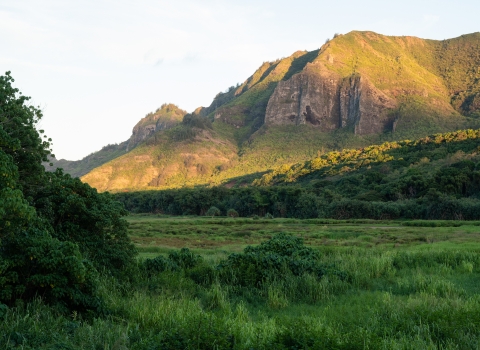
[[388, 299]]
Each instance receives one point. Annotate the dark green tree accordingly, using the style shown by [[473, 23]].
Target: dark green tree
[[54, 230], [77, 213], [19, 137], [213, 211]]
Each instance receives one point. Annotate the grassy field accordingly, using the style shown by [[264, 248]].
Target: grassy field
[[383, 285], [155, 235]]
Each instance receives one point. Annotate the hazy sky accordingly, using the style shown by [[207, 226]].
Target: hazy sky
[[97, 67]]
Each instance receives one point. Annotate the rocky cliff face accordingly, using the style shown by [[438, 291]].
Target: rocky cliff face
[[364, 106], [166, 117], [328, 102], [362, 82]]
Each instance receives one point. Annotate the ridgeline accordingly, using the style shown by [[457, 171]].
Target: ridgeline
[[356, 90]]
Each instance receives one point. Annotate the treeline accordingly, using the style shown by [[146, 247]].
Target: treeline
[[433, 178], [398, 153], [452, 193]]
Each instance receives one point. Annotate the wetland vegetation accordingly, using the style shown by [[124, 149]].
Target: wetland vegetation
[[372, 284]]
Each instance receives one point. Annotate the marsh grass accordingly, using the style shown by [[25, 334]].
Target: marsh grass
[[413, 295]]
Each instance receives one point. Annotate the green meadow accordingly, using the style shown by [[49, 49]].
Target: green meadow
[[323, 284]]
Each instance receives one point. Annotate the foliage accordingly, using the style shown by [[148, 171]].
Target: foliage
[[19, 137], [36, 265], [435, 177], [407, 287], [232, 213], [183, 259], [77, 213], [213, 211], [195, 121], [48, 220], [276, 259], [32, 263]]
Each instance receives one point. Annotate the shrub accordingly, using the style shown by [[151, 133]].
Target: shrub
[[232, 213], [158, 264], [77, 213], [275, 259], [182, 259], [32, 264], [213, 211]]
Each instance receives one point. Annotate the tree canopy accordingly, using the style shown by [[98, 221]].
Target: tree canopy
[[55, 231]]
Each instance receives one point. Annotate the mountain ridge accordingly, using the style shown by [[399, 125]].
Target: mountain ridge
[[357, 89]]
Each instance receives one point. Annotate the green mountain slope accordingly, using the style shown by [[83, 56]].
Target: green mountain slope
[[78, 168], [180, 156], [435, 177], [165, 117], [358, 89]]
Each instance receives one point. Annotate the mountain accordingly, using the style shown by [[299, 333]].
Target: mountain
[[165, 117], [357, 89], [78, 168]]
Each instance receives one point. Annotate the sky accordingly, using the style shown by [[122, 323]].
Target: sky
[[96, 67]]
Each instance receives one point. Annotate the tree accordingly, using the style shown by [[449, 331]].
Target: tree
[[54, 230], [19, 136], [213, 211], [232, 213], [92, 220], [32, 262]]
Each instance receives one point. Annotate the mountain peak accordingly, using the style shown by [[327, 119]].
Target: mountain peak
[[357, 89], [165, 117]]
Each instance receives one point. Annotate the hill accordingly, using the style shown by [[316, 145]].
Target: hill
[[165, 117], [358, 89], [435, 177]]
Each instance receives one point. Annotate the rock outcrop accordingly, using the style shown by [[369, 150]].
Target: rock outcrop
[[328, 102], [365, 107], [360, 83], [166, 117]]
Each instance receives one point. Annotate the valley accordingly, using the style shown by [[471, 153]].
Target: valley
[[330, 201]]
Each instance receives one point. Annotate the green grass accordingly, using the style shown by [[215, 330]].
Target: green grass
[[154, 234], [406, 287]]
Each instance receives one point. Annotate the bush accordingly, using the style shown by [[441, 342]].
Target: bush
[[182, 259], [34, 264], [232, 213], [158, 264], [77, 213], [213, 211], [275, 259]]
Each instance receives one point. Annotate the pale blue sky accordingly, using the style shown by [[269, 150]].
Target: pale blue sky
[[97, 67]]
